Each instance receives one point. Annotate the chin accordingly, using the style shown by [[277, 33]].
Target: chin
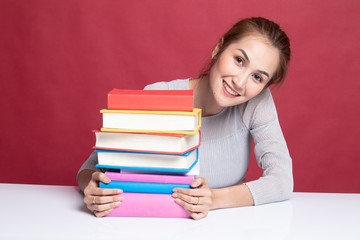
[[225, 101]]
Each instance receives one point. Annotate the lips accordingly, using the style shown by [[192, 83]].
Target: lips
[[229, 91]]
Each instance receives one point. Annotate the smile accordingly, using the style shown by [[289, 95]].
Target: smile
[[229, 91]]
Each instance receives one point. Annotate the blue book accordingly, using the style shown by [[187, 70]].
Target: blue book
[[144, 187], [181, 163]]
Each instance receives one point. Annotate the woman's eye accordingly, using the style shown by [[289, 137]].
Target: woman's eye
[[257, 78], [239, 60]]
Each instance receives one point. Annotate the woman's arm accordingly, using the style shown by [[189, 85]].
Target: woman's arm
[[272, 155], [271, 151], [201, 198], [234, 196]]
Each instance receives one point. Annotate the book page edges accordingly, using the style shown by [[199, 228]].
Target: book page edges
[[151, 131], [196, 111]]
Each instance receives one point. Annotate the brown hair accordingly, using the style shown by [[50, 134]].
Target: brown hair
[[268, 29]]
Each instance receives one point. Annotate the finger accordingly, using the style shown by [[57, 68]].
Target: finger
[[197, 216], [100, 177], [108, 199], [105, 191], [191, 192], [102, 199], [198, 182], [190, 207], [91, 191], [189, 199], [104, 207], [195, 211], [103, 213]]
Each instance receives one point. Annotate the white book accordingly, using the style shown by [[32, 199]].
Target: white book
[[195, 170], [147, 142], [146, 161], [152, 121]]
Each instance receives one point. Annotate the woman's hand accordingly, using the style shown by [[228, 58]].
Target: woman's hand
[[197, 202], [101, 201]]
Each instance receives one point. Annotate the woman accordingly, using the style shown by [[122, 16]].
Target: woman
[[237, 107]]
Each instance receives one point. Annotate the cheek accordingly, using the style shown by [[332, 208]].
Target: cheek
[[253, 90], [216, 74], [224, 66]]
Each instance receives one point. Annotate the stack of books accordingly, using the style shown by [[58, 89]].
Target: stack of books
[[149, 144]]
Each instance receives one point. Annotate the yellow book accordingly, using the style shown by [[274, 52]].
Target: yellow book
[[137, 121]]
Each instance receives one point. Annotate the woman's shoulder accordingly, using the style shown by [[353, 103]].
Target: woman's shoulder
[[263, 99], [259, 109], [178, 84]]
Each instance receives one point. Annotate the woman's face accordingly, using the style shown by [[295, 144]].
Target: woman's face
[[242, 70]]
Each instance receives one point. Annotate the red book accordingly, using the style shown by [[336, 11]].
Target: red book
[[155, 100]]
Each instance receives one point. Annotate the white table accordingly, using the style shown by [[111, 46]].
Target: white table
[[57, 212]]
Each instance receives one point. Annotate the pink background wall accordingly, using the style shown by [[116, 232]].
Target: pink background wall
[[59, 59]]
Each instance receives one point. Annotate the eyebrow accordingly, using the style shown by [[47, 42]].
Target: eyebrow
[[245, 55], [247, 58], [265, 73]]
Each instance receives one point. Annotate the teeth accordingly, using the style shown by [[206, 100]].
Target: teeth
[[230, 90]]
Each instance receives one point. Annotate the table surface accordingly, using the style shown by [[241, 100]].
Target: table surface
[[58, 212]]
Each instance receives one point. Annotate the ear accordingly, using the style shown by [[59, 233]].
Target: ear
[[217, 48]]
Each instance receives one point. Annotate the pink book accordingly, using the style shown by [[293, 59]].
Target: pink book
[[152, 178], [149, 205]]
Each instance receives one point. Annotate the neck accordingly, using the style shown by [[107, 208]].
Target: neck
[[203, 97]]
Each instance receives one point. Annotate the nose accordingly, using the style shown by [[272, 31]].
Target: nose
[[239, 81]]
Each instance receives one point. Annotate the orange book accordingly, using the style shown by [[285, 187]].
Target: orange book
[[154, 100]]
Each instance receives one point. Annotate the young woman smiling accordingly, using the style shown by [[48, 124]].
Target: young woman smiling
[[237, 108]]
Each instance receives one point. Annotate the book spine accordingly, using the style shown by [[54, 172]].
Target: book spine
[[151, 178], [144, 187], [151, 102], [148, 205]]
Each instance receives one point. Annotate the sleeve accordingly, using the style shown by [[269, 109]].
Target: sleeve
[[158, 86], [90, 163], [272, 155]]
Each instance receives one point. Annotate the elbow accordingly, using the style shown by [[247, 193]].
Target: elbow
[[287, 193], [269, 190], [286, 188], [285, 182]]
